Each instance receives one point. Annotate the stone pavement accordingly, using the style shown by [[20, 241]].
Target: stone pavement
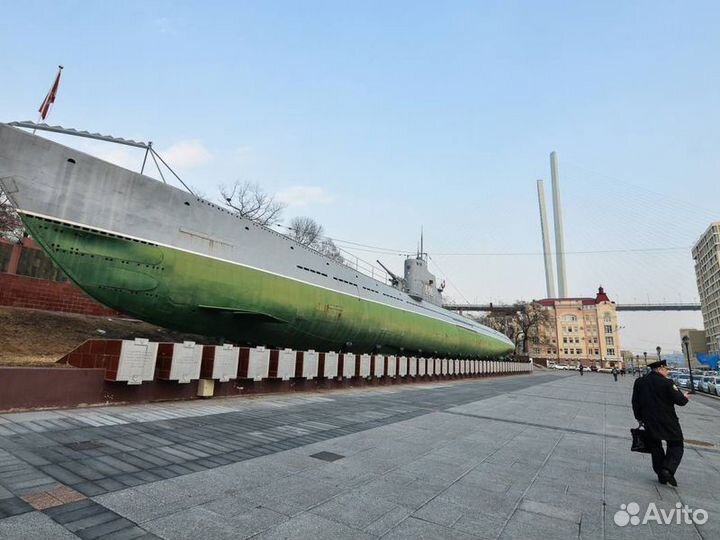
[[530, 456]]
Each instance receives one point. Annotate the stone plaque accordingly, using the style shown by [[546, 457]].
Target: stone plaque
[[225, 363], [310, 364], [137, 361], [364, 365], [186, 362], [391, 367], [403, 365], [258, 363], [331, 365], [348, 365], [379, 365], [286, 364]]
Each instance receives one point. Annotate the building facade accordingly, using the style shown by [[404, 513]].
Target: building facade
[[706, 253], [579, 331], [697, 344]]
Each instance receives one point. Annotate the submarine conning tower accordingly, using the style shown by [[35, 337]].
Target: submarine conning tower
[[419, 283]]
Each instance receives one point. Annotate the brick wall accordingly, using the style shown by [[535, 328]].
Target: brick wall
[[34, 293]]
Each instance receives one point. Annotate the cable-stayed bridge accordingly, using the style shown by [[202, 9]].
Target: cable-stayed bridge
[[512, 308]]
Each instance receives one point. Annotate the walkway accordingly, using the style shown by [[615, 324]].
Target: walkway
[[538, 456]]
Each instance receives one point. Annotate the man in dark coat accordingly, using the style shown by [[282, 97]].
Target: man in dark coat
[[653, 400]]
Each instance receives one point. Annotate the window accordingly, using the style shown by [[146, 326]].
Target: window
[[609, 340], [608, 328], [578, 351], [597, 351], [611, 352], [564, 340], [569, 318]]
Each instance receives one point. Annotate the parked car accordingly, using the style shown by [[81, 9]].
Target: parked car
[[683, 381], [593, 368], [697, 383], [705, 383], [712, 385]]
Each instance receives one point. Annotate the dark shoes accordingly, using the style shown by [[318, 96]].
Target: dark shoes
[[666, 477]]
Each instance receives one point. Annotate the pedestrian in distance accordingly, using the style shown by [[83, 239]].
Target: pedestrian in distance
[[614, 373], [653, 400], [582, 368]]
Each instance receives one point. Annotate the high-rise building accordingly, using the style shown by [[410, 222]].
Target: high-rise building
[[579, 330], [706, 253]]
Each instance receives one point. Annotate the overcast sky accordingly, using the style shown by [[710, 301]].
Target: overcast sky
[[377, 118]]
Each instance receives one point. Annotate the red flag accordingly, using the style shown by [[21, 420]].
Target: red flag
[[50, 98]]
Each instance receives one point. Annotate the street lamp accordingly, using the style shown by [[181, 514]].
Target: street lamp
[[686, 346], [645, 357]]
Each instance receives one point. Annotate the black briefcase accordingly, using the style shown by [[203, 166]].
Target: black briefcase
[[639, 440]]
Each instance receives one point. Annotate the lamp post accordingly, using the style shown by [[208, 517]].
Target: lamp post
[[658, 349], [686, 347], [645, 357], [637, 364]]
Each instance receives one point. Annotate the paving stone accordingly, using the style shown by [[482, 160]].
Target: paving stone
[[13, 506], [311, 526], [33, 525], [416, 528], [104, 529]]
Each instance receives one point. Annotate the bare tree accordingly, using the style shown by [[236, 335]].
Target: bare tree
[[522, 326], [305, 231], [249, 200], [328, 248], [309, 232], [10, 225]]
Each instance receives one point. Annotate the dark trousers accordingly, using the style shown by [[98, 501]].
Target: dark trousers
[[615, 376], [669, 460]]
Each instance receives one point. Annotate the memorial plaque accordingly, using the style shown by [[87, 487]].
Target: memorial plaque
[[137, 361], [391, 366], [186, 361], [286, 364], [403, 366], [331, 365], [379, 366], [349, 365], [310, 364], [364, 365], [413, 367], [258, 363], [225, 363]]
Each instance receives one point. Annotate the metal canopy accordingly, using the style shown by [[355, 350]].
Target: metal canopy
[[86, 134]]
